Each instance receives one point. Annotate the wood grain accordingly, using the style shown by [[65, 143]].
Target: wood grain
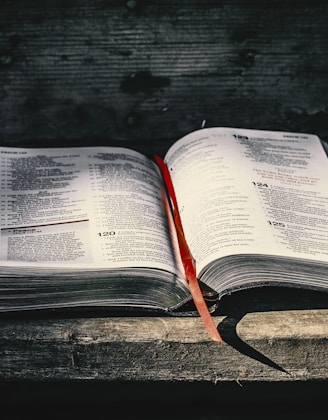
[[270, 346], [145, 73]]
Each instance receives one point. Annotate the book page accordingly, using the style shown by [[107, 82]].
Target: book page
[[249, 191], [83, 207]]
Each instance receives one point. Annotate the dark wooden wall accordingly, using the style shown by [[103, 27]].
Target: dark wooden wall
[[143, 73]]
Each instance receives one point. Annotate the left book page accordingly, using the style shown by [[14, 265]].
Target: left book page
[[92, 207]]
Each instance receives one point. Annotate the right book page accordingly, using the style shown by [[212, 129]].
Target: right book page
[[243, 191]]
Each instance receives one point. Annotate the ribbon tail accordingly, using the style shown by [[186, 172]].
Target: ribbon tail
[[200, 303]]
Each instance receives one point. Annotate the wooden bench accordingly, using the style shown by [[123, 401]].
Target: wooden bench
[[142, 74]]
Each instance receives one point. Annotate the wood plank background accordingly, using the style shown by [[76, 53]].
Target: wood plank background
[[144, 73], [260, 347]]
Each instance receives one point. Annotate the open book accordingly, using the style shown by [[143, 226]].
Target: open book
[[93, 226]]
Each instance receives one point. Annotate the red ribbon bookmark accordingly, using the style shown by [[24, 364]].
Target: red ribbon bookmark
[[188, 261]]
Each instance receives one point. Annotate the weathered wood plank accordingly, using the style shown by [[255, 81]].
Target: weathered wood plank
[[145, 73], [268, 346]]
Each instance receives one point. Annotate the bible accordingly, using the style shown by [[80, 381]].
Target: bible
[[94, 227]]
